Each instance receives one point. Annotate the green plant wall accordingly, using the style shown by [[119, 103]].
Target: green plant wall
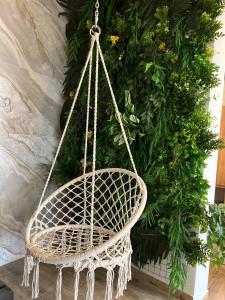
[[159, 55]]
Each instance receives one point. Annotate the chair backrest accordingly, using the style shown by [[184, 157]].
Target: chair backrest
[[117, 196]]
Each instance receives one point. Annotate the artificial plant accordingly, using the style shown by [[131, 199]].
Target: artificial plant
[[159, 55]]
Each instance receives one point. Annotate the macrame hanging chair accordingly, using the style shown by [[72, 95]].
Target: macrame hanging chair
[[86, 223]]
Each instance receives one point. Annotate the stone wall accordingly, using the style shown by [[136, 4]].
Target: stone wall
[[32, 60]]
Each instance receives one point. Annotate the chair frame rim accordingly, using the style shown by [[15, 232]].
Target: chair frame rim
[[93, 252]]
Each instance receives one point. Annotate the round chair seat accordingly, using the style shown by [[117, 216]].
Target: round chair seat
[[63, 243], [67, 240]]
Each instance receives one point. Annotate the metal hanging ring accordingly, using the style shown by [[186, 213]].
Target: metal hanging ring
[[95, 29]]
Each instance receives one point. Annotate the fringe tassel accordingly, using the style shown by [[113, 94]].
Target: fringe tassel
[[28, 266], [120, 282], [76, 285], [59, 284], [124, 276], [109, 284], [90, 284], [35, 282], [129, 273]]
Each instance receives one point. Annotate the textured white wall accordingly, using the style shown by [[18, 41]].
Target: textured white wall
[[32, 60]]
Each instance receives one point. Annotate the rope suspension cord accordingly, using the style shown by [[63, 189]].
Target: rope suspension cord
[[93, 40], [95, 31], [96, 35], [86, 135], [67, 122], [99, 51], [94, 139], [117, 110]]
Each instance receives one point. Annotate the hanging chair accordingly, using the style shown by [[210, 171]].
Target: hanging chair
[[86, 223]]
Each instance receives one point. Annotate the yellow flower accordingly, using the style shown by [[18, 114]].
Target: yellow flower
[[89, 24], [114, 39], [162, 46]]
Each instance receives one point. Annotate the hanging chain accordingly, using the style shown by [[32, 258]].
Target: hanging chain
[[96, 13], [95, 28]]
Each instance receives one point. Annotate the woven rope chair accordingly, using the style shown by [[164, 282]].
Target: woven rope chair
[[86, 223]]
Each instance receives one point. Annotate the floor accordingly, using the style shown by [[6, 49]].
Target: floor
[[219, 194], [138, 289], [216, 284], [5, 292]]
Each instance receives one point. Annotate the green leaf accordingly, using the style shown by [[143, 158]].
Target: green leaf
[[148, 66], [158, 75]]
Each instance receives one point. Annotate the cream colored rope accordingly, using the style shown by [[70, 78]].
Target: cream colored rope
[[68, 120], [94, 139], [95, 38], [116, 109], [88, 114], [86, 132]]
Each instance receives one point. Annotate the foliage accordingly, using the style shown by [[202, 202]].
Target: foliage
[[216, 234], [159, 58]]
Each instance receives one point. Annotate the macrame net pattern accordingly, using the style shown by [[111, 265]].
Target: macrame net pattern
[[86, 223], [60, 227]]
